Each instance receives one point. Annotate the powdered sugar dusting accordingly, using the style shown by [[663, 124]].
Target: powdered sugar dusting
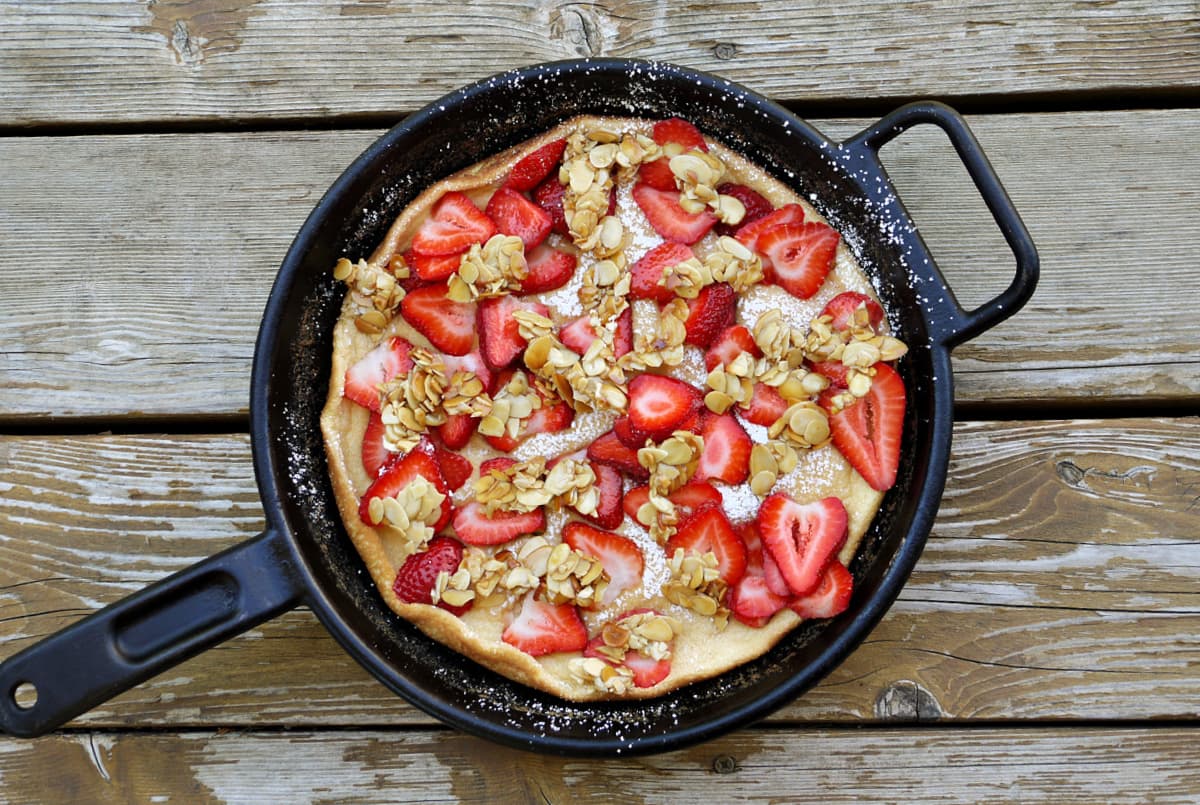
[[585, 429], [740, 504]]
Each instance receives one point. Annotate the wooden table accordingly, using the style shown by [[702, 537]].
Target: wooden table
[[157, 159]]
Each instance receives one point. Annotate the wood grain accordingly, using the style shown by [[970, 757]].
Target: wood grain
[[215, 60], [1055, 765], [168, 245], [1061, 581]]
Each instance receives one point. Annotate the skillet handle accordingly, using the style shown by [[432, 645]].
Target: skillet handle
[[125, 643], [966, 324]]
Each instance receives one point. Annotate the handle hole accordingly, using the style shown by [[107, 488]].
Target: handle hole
[[25, 695]]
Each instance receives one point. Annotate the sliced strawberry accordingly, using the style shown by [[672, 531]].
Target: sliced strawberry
[[541, 628], [687, 499], [648, 270], [578, 334], [726, 454], [756, 206], [609, 513], [802, 538], [549, 196], [431, 268], [868, 431], [713, 310], [842, 309], [801, 255], [548, 269], [668, 219], [381, 364], [831, 597], [766, 406], [607, 449], [516, 215], [457, 430], [374, 454], [748, 531], [658, 174], [659, 404], [708, 529], [474, 527], [776, 583], [453, 225], [499, 463], [750, 231], [620, 556], [449, 325], [678, 130], [836, 372], [456, 469], [415, 580], [532, 168], [500, 338], [729, 343], [753, 603], [647, 671], [629, 435], [414, 464], [553, 416]]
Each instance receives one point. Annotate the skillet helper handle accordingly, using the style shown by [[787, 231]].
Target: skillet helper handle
[[126, 643], [965, 324]]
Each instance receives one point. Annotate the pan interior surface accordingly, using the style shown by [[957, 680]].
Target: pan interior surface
[[292, 367]]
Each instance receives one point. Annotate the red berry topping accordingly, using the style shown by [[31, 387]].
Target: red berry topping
[[431, 268], [766, 406], [500, 338], [548, 269], [844, 307], [756, 206], [541, 628], [868, 431], [729, 343], [620, 556], [659, 404], [375, 455], [802, 538], [710, 313], [678, 130], [449, 325], [453, 225], [611, 485], [399, 474], [708, 529], [607, 449], [831, 597], [415, 580], [381, 364], [516, 215], [668, 219], [801, 255], [474, 527], [648, 270], [687, 498], [532, 168], [726, 454]]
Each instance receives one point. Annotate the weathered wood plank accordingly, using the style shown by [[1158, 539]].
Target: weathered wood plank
[[169, 244], [124, 61], [1060, 582], [1059, 765]]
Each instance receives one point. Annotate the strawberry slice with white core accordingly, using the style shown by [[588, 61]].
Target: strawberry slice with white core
[[869, 430], [398, 475], [831, 597], [708, 529], [672, 222], [766, 406], [577, 335], [516, 215], [729, 343], [500, 338], [548, 269], [474, 527], [659, 404], [621, 557], [471, 362], [541, 628], [802, 538], [389, 359], [727, 446], [375, 455], [801, 255], [453, 225], [449, 325], [750, 231]]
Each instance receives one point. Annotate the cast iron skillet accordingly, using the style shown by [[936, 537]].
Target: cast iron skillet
[[304, 556]]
